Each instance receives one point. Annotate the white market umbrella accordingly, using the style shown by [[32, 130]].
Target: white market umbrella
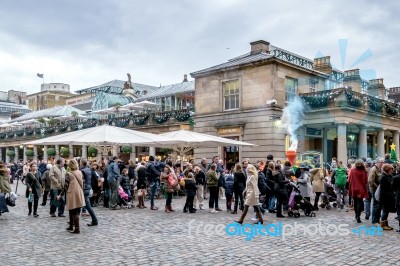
[[187, 140], [144, 104], [105, 136]]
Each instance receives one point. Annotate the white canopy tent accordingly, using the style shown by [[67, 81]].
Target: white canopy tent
[[187, 140], [105, 137], [57, 111]]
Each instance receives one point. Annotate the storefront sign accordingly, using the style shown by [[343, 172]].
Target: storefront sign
[[230, 131], [313, 132]]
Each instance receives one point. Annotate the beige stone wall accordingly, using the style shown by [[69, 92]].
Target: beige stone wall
[[257, 85]]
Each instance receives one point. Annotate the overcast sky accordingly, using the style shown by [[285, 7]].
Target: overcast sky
[[87, 43]]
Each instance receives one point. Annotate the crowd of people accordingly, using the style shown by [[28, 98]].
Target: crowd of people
[[80, 185]]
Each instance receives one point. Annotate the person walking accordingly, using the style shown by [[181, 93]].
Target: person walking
[[212, 183], [304, 182], [46, 183], [239, 185], [154, 180], [141, 184], [252, 194], [113, 178], [74, 195], [318, 183], [87, 178], [57, 183], [373, 183], [358, 182], [170, 181], [340, 176], [386, 196], [33, 189]]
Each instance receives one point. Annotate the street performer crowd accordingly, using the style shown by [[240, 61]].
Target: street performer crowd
[[269, 186]]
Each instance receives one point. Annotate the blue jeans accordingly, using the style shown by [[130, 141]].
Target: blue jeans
[[113, 194], [271, 202], [367, 206], [385, 215], [88, 207], [153, 193], [376, 209], [53, 195]]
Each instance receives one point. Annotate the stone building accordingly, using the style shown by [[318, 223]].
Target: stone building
[[244, 99], [50, 95]]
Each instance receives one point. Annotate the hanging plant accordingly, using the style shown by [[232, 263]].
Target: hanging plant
[[38, 130], [50, 130], [29, 153], [92, 151], [126, 149], [391, 109], [10, 135], [19, 133], [51, 152], [2, 135], [375, 104], [64, 151], [141, 120], [161, 118], [353, 101], [182, 116], [316, 101], [29, 132], [122, 123], [62, 128], [10, 153]]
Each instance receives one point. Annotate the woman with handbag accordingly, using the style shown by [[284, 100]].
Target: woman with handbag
[[252, 194], [33, 189], [358, 182], [75, 197], [170, 181]]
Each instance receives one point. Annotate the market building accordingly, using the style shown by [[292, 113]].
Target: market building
[[244, 99]]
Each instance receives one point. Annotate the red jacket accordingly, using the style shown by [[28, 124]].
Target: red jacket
[[358, 182]]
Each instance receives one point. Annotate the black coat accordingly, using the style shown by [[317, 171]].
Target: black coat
[[125, 182], [386, 198], [190, 187], [141, 181], [32, 181], [200, 178], [280, 185], [396, 189], [239, 182]]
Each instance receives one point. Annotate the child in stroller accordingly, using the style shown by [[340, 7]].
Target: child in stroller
[[297, 202], [328, 196], [124, 191]]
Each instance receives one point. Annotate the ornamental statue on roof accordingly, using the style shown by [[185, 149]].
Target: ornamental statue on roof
[[128, 89]]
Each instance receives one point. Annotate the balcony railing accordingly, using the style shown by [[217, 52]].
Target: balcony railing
[[128, 120], [356, 100]]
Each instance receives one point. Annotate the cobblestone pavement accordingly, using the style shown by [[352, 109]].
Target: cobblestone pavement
[[145, 237]]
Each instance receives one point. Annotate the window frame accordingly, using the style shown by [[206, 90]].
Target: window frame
[[238, 94], [287, 93]]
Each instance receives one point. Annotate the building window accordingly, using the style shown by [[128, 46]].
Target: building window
[[313, 85], [231, 94], [291, 89]]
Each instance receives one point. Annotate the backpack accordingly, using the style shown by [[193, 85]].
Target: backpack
[[341, 177], [262, 184]]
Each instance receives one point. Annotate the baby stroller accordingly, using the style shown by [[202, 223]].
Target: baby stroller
[[298, 202], [264, 201], [328, 196], [124, 200]]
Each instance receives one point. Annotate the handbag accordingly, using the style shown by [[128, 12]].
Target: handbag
[[30, 197], [56, 203], [172, 180], [378, 193], [3, 203]]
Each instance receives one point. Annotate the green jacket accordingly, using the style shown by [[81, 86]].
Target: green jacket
[[212, 179], [4, 184]]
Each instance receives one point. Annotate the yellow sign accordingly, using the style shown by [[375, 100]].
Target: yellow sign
[[185, 127], [230, 131]]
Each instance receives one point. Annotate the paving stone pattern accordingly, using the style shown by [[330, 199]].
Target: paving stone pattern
[[144, 237]]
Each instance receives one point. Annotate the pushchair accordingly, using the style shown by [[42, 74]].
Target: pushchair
[[124, 200], [328, 196], [298, 202]]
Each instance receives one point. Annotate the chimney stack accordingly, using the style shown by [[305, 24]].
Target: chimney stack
[[323, 64], [376, 88], [352, 79], [259, 47], [185, 78]]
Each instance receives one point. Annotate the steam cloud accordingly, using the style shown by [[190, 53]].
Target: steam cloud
[[292, 118]]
